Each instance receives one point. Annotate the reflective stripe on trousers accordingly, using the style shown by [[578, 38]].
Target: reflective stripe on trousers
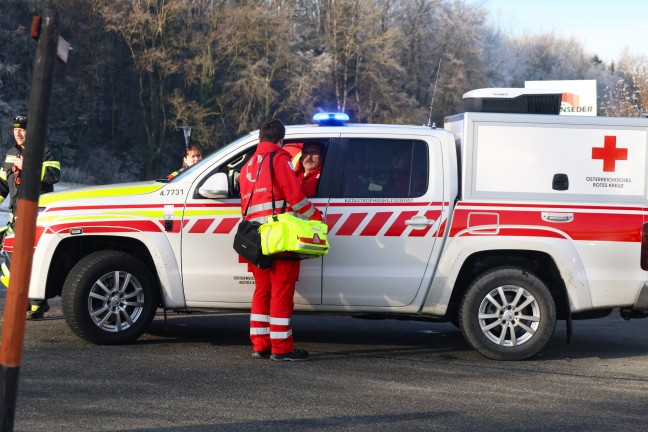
[[272, 306]]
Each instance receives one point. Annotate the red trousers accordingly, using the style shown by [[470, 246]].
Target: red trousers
[[272, 306]]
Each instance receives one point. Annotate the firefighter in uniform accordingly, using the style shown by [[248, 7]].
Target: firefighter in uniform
[[10, 186], [272, 303]]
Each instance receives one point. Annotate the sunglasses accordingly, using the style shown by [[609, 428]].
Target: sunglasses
[[20, 119]]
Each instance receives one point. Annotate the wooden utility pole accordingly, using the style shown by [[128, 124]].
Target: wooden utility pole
[[13, 328]]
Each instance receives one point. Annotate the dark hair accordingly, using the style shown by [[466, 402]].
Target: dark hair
[[192, 149], [272, 130], [319, 145]]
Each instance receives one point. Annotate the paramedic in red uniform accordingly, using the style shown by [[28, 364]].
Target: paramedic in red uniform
[[309, 168], [272, 303]]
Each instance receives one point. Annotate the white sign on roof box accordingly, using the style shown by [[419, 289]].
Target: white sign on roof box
[[579, 96]]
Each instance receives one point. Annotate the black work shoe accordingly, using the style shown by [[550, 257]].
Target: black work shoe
[[294, 355], [36, 311], [261, 354]]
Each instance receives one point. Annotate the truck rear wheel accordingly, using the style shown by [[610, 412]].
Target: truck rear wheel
[[109, 297], [507, 314]]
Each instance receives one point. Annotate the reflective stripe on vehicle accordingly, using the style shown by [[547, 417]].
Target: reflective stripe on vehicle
[[51, 198]]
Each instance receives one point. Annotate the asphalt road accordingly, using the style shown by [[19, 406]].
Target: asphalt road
[[196, 374]]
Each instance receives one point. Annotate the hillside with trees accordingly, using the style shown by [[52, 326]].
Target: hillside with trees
[[139, 69]]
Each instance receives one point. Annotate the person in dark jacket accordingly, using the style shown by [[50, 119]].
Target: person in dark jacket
[[10, 180]]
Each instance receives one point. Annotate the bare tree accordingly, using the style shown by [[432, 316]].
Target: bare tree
[[547, 57], [361, 37], [460, 35], [149, 28], [628, 95]]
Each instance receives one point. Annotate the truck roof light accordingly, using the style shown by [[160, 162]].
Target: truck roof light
[[330, 119]]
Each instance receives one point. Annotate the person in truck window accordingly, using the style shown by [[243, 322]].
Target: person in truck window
[[192, 156], [403, 179], [309, 167], [273, 299], [10, 179]]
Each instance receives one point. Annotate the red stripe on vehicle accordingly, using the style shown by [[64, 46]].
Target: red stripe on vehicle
[[201, 225], [351, 224], [519, 232], [378, 203], [215, 205], [139, 225], [376, 223], [175, 225], [332, 219], [102, 230], [500, 206], [442, 228], [398, 227], [226, 225], [431, 215], [586, 226], [8, 244]]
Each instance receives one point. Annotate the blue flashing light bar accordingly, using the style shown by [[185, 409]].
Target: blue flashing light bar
[[330, 119]]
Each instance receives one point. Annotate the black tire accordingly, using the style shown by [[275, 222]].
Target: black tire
[[507, 314], [100, 312]]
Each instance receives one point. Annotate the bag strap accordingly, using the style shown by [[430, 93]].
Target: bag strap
[[257, 176], [283, 207]]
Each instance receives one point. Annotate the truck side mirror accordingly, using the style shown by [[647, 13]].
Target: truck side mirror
[[560, 182], [215, 187]]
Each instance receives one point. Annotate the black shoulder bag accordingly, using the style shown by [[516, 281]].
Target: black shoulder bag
[[247, 241]]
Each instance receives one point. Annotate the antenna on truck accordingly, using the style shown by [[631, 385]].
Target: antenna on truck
[[436, 81]]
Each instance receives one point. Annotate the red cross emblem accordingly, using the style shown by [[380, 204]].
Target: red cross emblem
[[609, 153]]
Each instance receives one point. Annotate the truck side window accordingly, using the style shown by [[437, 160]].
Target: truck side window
[[233, 170], [385, 168], [233, 167]]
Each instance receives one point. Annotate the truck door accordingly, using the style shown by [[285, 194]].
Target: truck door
[[211, 270], [384, 222]]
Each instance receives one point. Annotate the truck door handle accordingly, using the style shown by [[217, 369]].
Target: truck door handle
[[557, 217], [420, 221]]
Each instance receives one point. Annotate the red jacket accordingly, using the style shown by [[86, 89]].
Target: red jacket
[[285, 187], [308, 181]]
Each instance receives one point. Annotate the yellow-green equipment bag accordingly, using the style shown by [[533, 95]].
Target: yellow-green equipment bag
[[287, 233]]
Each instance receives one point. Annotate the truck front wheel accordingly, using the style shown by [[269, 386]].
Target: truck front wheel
[[109, 297], [507, 314]]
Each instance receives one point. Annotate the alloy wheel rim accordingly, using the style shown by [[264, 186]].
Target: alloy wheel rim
[[509, 316], [116, 301]]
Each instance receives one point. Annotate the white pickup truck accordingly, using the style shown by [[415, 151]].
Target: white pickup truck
[[500, 223]]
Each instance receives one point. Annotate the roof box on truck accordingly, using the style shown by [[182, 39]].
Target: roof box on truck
[[513, 100]]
